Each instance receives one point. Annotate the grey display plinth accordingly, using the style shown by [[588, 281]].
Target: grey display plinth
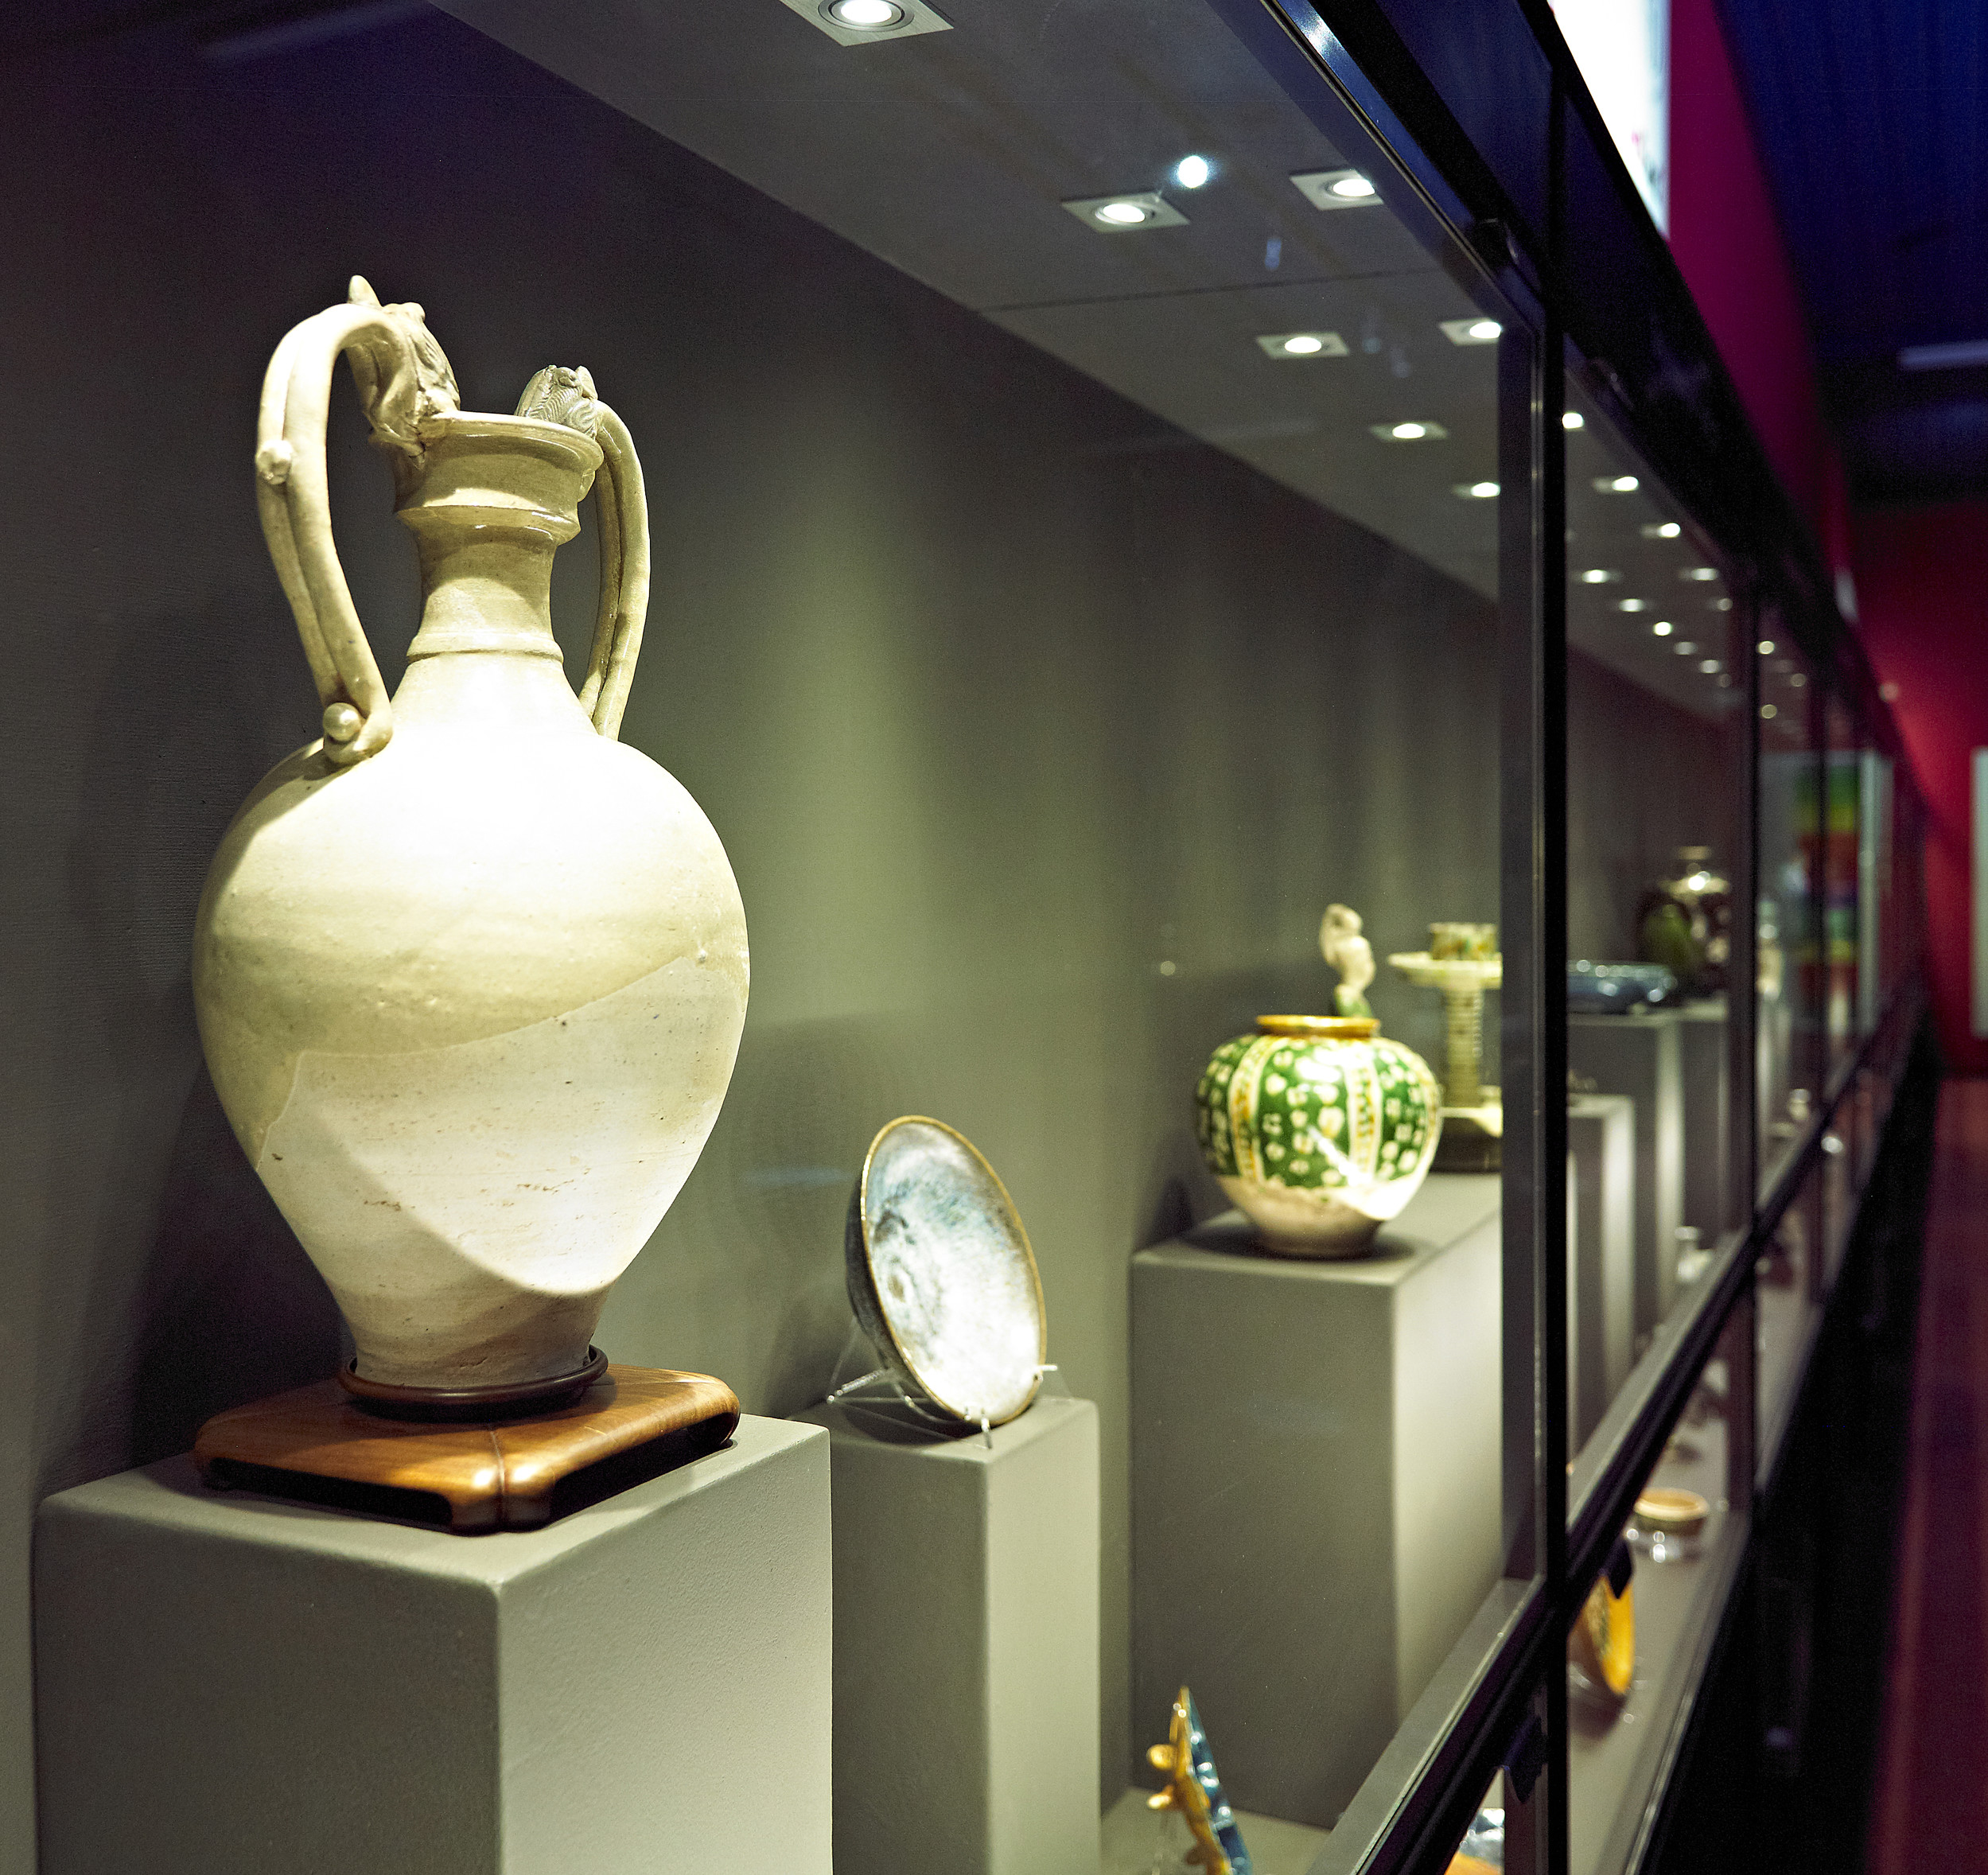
[[228, 1686], [1315, 1488], [1704, 1072], [966, 1644], [1601, 1254], [1640, 1056]]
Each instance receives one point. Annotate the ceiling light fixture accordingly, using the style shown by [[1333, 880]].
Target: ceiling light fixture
[[1476, 491], [1573, 420], [1664, 628], [1408, 432], [1335, 189], [1302, 344], [1684, 647], [1720, 606], [1191, 172], [1470, 332], [1661, 530], [1599, 576], [1698, 573], [1616, 484], [1768, 712], [1632, 605], [1709, 666], [1131, 212], [1796, 680], [1765, 647], [858, 23]]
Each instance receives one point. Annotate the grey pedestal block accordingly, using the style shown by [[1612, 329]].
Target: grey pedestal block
[[1315, 1488], [1601, 1254], [1641, 1056], [966, 1644], [228, 1686]]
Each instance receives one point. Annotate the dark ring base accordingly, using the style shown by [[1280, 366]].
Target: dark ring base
[[448, 1403]]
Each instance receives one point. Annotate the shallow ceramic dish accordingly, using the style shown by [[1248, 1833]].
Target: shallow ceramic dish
[[1667, 1508], [941, 1276]]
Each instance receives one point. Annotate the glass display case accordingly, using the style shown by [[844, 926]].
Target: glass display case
[[1226, 670]]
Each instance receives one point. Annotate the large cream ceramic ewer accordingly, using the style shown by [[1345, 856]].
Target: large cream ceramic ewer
[[470, 973]]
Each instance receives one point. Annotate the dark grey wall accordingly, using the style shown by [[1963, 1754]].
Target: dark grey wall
[[1000, 694]]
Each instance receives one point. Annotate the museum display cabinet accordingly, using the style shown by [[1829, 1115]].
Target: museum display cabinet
[[1334, 917]]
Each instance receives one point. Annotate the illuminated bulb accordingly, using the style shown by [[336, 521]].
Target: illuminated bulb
[[1482, 490], [1662, 531], [1768, 712], [1355, 188], [1708, 665], [1663, 627], [1191, 172], [1797, 680], [1303, 344], [1684, 647], [866, 16], [1765, 647], [1120, 214], [1409, 433], [1598, 576], [1624, 484], [1485, 329], [1573, 420], [1632, 605], [1699, 573]]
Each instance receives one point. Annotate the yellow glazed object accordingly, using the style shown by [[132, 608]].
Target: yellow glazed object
[[470, 973], [1195, 1791], [1602, 1643]]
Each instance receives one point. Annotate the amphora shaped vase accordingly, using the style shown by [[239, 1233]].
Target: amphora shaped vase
[[470, 973]]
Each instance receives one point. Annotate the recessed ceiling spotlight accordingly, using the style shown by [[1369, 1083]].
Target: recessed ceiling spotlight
[[1664, 628], [1336, 189], [1408, 432], [1599, 576], [1765, 647], [1720, 606], [1470, 332], [1768, 712], [1476, 491], [1684, 647], [1632, 605], [1796, 680], [1126, 214], [1302, 344], [1699, 573], [1573, 420], [1709, 666], [1191, 172], [857, 23], [1616, 485], [1661, 530]]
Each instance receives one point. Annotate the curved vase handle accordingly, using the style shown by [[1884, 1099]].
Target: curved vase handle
[[403, 377], [623, 510]]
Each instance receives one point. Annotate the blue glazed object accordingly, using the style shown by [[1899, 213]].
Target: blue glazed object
[[1609, 989]]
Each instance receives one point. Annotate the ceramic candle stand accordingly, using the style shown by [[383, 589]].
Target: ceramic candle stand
[[1461, 963]]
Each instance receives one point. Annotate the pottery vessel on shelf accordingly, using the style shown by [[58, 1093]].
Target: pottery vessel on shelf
[[1319, 1128], [470, 973]]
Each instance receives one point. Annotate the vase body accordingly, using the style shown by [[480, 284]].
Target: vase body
[[472, 1004], [1320, 1129]]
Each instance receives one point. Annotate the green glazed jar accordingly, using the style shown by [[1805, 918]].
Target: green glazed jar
[[1318, 1129]]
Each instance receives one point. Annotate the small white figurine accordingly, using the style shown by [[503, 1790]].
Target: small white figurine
[[1351, 955]]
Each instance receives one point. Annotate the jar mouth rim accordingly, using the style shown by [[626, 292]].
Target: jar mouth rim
[[1321, 1028]]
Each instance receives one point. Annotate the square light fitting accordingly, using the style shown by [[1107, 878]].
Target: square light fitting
[[1130, 213], [1471, 332], [1336, 189], [1302, 344], [1408, 432], [868, 22]]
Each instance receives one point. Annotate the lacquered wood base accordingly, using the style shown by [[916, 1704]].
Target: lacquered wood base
[[319, 1445]]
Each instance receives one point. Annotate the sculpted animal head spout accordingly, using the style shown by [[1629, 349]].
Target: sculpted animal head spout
[[1347, 950]]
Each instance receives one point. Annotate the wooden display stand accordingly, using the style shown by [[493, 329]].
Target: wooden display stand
[[320, 1445]]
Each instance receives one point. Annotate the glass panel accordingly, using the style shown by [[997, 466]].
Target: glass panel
[[1075, 629], [1790, 979], [1841, 925], [1655, 722], [1839, 1187], [1788, 1292], [1875, 941], [1637, 1650]]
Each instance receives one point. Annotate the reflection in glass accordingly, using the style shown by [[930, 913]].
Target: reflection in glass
[[1790, 982]]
